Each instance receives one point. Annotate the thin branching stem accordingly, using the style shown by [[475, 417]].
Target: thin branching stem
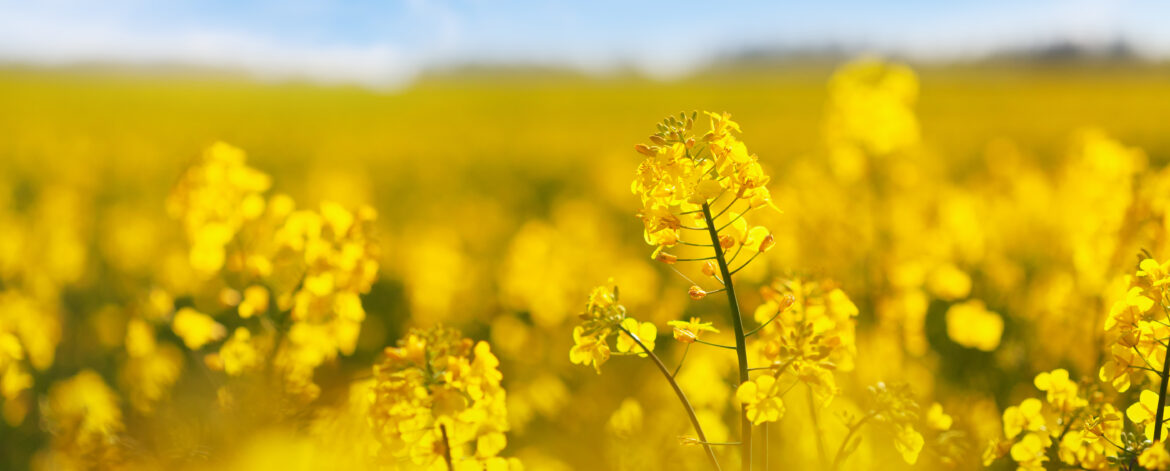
[[729, 205], [704, 342], [765, 324], [678, 368], [682, 397], [735, 255], [702, 259], [745, 264], [736, 218]]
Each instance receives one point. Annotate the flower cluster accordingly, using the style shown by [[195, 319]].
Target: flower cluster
[[28, 338], [1087, 431], [682, 175], [806, 333], [871, 107], [213, 200], [291, 277], [604, 319], [1137, 327], [438, 404], [83, 415], [895, 406]]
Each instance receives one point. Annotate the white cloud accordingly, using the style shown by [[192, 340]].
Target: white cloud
[[50, 36]]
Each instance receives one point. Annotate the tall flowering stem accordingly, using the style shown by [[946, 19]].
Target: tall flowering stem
[[1160, 416], [740, 339], [682, 175]]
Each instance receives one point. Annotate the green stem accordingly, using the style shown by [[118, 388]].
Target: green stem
[[740, 339], [1161, 401], [1162, 392], [682, 397], [446, 448]]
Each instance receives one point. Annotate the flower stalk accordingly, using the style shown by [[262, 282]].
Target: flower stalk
[[740, 338], [1160, 415]]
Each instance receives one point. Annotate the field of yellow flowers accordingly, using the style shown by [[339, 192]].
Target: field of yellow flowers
[[863, 265]]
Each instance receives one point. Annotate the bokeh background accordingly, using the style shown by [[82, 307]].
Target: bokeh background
[[1022, 145]]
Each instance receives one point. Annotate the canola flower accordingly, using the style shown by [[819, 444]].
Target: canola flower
[[300, 272], [806, 330], [438, 404], [681, 179], [980, 275]]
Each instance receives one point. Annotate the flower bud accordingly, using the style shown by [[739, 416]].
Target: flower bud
[[767, 243], [690, 143], [658, 140], [213, 361], [697, 293], [709, 268], [666, 258], [642, 149], [726, 241], [786, 301], [684, 335]]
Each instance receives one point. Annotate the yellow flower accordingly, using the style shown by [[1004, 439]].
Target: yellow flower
[[689, 331], [238, 354], [439, 394], [589, 349], [908, 442], [995, 450], [869, 91], [949, 283], [971, 325], [1144, 412], [1031, 452], [196, 329], [626, 421], [1158, 273], [1127, 312], [1145, 409], [140, 339], [87, 405], [213, 199], [1155, 457], [759, 400], [937, 418], [255, 301], [645, 332], [1026, 416], [679, 176], [1062, 392]]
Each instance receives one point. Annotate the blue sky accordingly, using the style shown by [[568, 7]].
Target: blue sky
[[389, 42]]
